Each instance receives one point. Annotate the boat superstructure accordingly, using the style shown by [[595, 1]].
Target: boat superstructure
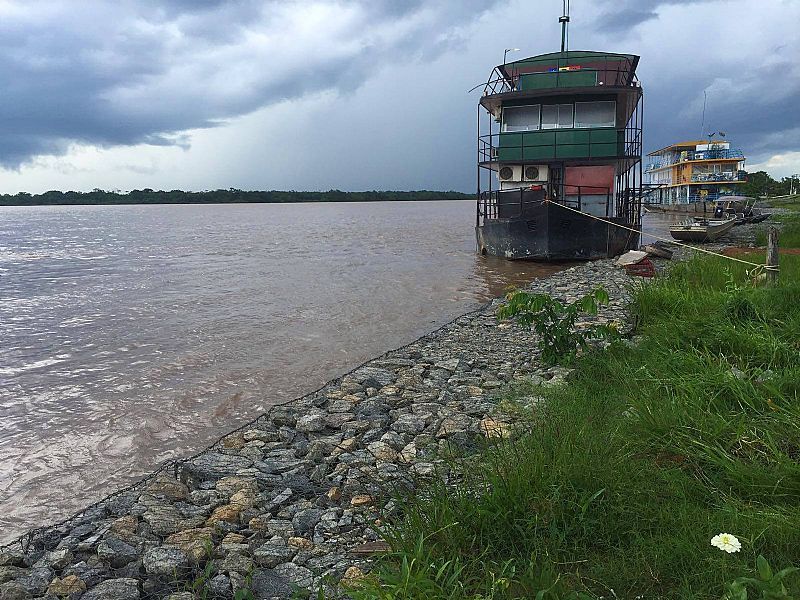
[[698, 171], [560, 157]]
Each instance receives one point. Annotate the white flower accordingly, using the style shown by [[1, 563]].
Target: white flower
[[727, 542]]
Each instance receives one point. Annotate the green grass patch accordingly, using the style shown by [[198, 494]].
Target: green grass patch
[[789, 236], [629, 469], [790, 202]]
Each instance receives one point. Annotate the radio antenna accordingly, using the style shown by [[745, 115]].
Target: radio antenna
[[564, 20], [703, 120]]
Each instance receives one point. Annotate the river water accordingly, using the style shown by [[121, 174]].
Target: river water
[[133, 334]]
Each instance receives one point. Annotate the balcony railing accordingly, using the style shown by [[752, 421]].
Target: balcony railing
[[607, 70], [720, 154], [725, 176]]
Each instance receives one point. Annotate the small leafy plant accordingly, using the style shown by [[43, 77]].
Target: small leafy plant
[[769, 585], [554, 321]]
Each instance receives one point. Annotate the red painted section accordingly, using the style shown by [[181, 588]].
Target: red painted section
[[601, 176]]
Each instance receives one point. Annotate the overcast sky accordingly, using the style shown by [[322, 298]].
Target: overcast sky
[[348, 94]]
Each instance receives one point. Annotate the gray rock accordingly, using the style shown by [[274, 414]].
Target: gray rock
[[305, 520], [58, 559], [11, 573], [164, 560], [221, 586], [300, 576], [266, 583], [36, 580], [114, 589], [163, 519], [91, 576], [373, 377], [12, 558], [236, 563], [13, 591], [274, 553], [411, 424], [181, 596], [278, 500], [116, 552], [214, 465], [311, 423], [280, 527], [454, 423]]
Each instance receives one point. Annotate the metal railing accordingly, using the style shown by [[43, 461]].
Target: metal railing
[[614, 72], [511, 204], [724, 176], [689, 155]]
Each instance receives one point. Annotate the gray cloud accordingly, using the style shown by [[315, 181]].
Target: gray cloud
[[128, 72], [625, 14], [152, 71]]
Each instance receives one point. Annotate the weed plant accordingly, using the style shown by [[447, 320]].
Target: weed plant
[[627, 471]]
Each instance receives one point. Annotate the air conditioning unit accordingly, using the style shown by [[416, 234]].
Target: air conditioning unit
[[534, 173], [510, 173]]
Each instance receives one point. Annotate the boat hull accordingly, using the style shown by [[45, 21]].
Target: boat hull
[[701, 234], [548, 232]]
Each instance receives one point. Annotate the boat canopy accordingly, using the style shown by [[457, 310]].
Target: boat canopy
[[589, 67]]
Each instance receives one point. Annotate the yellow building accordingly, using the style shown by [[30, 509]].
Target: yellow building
[[695, 171]]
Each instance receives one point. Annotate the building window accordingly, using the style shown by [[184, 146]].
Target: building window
[[521, 118], [557, 116], [595, 114]]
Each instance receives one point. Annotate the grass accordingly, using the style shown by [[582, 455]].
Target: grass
[[628, 470], [789, 223]]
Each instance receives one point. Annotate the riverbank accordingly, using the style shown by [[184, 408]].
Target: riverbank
[[293, 498], [620, 481], [289, 498]]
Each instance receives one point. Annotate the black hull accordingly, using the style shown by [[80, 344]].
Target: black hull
[[549, 232]]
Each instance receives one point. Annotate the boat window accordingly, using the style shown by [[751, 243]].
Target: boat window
[[595, 114], [557, 116], [521, 118]]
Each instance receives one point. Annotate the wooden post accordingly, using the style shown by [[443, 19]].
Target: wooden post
[[772, 254]]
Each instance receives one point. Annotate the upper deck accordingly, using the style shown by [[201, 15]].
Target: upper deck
[[573, 72]]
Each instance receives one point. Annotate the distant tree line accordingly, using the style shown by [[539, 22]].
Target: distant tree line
[[761, 183], [232, 195]]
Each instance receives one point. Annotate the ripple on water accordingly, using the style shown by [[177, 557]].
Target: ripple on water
[[133, 334]]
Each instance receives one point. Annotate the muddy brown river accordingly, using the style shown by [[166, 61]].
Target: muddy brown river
[[133, 334]]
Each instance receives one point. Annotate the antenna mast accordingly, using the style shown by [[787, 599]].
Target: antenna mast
[[564, 20]]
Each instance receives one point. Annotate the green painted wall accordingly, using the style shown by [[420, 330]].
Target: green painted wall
[[562, 143]]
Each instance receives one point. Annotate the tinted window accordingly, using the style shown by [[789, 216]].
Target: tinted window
[[595, 114], [521, 118]]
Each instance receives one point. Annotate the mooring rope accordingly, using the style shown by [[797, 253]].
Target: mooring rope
[[757, 270]]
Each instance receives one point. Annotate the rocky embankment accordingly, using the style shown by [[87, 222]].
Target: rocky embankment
[[292, 499]]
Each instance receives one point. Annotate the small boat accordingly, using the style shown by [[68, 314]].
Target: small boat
[[701, 230]]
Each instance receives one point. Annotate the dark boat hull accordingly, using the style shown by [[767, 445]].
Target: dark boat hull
[[549, 232]]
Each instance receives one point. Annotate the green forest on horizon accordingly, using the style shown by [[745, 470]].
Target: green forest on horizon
[[229, 196]]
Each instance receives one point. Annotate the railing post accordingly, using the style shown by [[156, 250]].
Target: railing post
[[772, 255]]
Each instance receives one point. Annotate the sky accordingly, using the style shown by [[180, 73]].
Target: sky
[[354, 94]]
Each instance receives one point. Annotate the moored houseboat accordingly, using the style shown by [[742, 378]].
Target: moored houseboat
[[560, 157]]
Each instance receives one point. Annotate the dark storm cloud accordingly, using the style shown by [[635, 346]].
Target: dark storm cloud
[[138, 72], [624, 14], [738, 56]]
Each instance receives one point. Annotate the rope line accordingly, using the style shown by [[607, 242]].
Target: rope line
[[746, 262]]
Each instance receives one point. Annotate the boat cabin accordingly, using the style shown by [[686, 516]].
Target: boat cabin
[[563, 128]]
